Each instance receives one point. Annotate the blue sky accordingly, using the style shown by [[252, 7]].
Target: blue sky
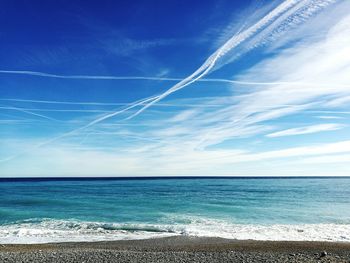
[[144, 88]]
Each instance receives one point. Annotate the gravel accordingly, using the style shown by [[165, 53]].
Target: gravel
[[178, 249]]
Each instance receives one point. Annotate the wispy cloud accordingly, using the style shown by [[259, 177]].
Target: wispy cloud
[[127, 46], [215, 135], [330, 117], [326, 159], [307, 130], [278, 20], [86, 161]]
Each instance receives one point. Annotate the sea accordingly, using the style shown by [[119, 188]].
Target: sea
[[45, 210]]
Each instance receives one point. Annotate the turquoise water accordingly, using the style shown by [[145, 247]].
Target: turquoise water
[[268, 209]]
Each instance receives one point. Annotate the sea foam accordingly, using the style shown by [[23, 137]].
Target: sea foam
[[48, 230]]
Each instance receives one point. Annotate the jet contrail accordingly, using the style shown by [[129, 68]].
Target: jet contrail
[[100, 104], [310, 7], [32, 110], [98, 77], [132, 105], [28, 112], [65, 102], [236, 40]]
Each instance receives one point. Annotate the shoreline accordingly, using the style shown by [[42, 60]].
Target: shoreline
[[178, 249]]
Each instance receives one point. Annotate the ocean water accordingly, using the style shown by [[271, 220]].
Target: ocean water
[[40, 211]]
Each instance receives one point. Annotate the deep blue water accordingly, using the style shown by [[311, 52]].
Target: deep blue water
[[191, 206]]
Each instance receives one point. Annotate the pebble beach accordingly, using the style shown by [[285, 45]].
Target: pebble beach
[[177, 249]]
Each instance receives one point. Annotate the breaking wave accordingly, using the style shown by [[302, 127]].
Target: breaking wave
[[50, 230]]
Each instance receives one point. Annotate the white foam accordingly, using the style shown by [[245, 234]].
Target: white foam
[[51, 231], [48, 231]]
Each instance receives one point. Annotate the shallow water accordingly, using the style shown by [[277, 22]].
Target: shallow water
[[35, 211]]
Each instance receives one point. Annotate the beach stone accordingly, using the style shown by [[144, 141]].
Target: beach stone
[[323, 254]]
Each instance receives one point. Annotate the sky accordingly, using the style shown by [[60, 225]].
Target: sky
[[174, 88]]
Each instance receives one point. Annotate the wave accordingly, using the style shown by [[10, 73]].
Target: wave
[[50, 230]]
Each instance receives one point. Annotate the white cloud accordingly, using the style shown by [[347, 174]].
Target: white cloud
[[342, 101], [307, 130], [204, 140], [328, 117], [340, 158], [184, 115], [285, 16], [67, 160]]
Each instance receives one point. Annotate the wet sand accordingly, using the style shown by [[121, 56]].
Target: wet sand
[[178, 249]]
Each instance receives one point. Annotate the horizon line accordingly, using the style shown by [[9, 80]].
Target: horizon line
[[106, 178]]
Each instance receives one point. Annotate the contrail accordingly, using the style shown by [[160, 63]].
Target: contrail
[[98, 77], [28, 112], [54, 110], [33, 110], [235, 41], [65, 102], [208, 66], [132, 105], [100, 104]]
